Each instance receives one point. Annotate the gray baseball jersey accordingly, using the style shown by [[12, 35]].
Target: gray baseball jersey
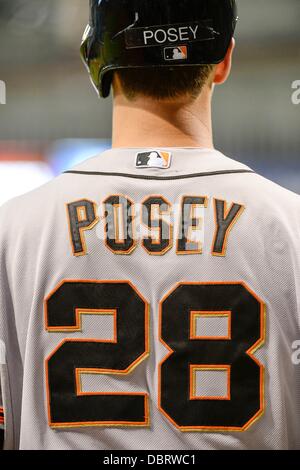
[[149, 299]]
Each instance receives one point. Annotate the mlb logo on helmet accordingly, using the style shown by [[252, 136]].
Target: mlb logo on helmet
[[176, 53], [153, 159]]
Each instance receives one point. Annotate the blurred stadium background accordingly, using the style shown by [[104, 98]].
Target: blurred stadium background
[[53, 118]]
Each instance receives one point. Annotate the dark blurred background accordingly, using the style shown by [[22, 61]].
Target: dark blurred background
[[52, 117]]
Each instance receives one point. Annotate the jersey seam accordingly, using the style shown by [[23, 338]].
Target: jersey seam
[[158, 178]]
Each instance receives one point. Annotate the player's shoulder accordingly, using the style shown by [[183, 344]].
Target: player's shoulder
[[29, 208], [263, 197], [34, 201], [254, 186], [27, 198], [273, 193]]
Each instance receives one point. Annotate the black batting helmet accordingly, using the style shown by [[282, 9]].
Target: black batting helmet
[[155, 33]]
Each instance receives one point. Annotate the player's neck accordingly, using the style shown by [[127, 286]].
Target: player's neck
[[146, 123]]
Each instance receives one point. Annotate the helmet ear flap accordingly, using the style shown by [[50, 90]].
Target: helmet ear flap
[[87, 42], [92, 65], [84, 43]]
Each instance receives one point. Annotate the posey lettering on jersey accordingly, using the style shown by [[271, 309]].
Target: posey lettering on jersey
[[1, 418], [155, 224]]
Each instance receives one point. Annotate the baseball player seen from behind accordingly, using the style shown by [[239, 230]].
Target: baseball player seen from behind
[[149, 296]]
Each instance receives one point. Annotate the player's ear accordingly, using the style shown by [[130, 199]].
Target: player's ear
[[116, 83], [222, 70]]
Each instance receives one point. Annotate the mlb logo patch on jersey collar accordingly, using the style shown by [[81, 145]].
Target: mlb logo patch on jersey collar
[[153, 159]]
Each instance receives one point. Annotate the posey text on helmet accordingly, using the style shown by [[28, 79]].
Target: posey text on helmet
[[169, 34], [161, 36]]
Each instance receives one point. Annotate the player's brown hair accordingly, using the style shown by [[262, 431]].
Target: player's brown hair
[[162, 83]]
